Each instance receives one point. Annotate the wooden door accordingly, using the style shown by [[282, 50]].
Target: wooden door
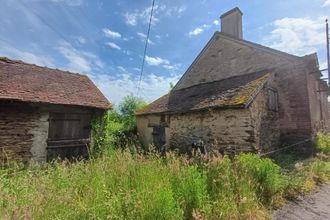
[[159, 137], [68, 136]]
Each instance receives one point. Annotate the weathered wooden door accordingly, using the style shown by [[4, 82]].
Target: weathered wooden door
[[68, 135], [159, 137]]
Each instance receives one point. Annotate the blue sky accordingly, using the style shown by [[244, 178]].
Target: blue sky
[[105, 38]]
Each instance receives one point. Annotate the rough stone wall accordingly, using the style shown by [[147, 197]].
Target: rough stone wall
[[225, 58], [16, 123], [318, 96], [227, 130], [294, 107], [24, 129], [223, 130], [265, 122]]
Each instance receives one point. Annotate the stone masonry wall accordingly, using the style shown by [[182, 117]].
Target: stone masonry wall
[[24, 129], [265, 122], [223, 130], [16, 123], [225, 58]]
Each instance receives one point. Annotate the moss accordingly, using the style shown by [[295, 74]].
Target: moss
[[245, 94]]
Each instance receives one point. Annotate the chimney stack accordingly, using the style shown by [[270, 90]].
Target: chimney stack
[[231, 23]]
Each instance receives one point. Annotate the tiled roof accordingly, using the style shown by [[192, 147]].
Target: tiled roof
[[234, 92], [30, 83]]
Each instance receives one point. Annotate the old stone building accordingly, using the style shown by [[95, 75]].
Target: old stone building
[[45, 113], [239, 96]]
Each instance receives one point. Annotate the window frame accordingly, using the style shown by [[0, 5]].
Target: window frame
[[272, 107]]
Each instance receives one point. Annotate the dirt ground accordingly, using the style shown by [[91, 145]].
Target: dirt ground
[[315, 206]]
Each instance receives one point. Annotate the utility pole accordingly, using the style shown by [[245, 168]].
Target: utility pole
[[328, 55]]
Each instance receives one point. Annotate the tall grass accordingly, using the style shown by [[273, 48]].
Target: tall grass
[[120, 185]]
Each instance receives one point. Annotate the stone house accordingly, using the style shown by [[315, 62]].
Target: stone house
[[239, 96], [45, 113]]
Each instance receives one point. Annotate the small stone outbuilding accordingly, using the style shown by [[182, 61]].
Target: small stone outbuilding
[[45, 113], [239, 96]]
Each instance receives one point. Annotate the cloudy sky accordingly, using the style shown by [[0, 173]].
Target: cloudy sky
[[105, 38]]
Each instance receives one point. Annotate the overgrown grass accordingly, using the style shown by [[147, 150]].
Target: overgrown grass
[[122, 185]]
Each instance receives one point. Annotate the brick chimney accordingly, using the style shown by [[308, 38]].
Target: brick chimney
[[231, 23]]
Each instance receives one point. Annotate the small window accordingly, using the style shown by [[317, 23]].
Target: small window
[[272, 100]]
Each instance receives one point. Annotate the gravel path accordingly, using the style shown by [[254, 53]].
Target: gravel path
[[315, 206]]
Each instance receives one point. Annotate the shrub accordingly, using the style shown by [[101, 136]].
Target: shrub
[[266, 176], [190, 190], [322, 143], [117, 128]]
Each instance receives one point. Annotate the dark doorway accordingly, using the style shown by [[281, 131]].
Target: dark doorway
[[159, 138], [68, 136]]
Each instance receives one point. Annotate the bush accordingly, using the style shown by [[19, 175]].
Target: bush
[[117, 128], [190, 190], [322, 143], [266, 176]]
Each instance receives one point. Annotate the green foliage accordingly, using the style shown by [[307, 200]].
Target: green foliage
[[266, 176], [130, 105], [117, 128], [190, 190], [322, 143], [121, 185]]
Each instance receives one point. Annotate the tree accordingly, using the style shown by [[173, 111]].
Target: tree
[[131, 104]]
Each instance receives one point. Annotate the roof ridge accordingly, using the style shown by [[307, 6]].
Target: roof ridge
[[10, 61], [47, 85]]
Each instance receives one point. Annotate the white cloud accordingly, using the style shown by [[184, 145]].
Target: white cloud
[[216, 22], [128, 52], [115, 89], [81, 40], [111, 34], [132, 18], [172, 67], [26, 56], [175, 11], [156, 61], [198, 30], [135, 17], [142, 35], [78, 60], [121, 68], [326, 3], [113, 45], [181, 9], [143, 38], [298, 36]]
